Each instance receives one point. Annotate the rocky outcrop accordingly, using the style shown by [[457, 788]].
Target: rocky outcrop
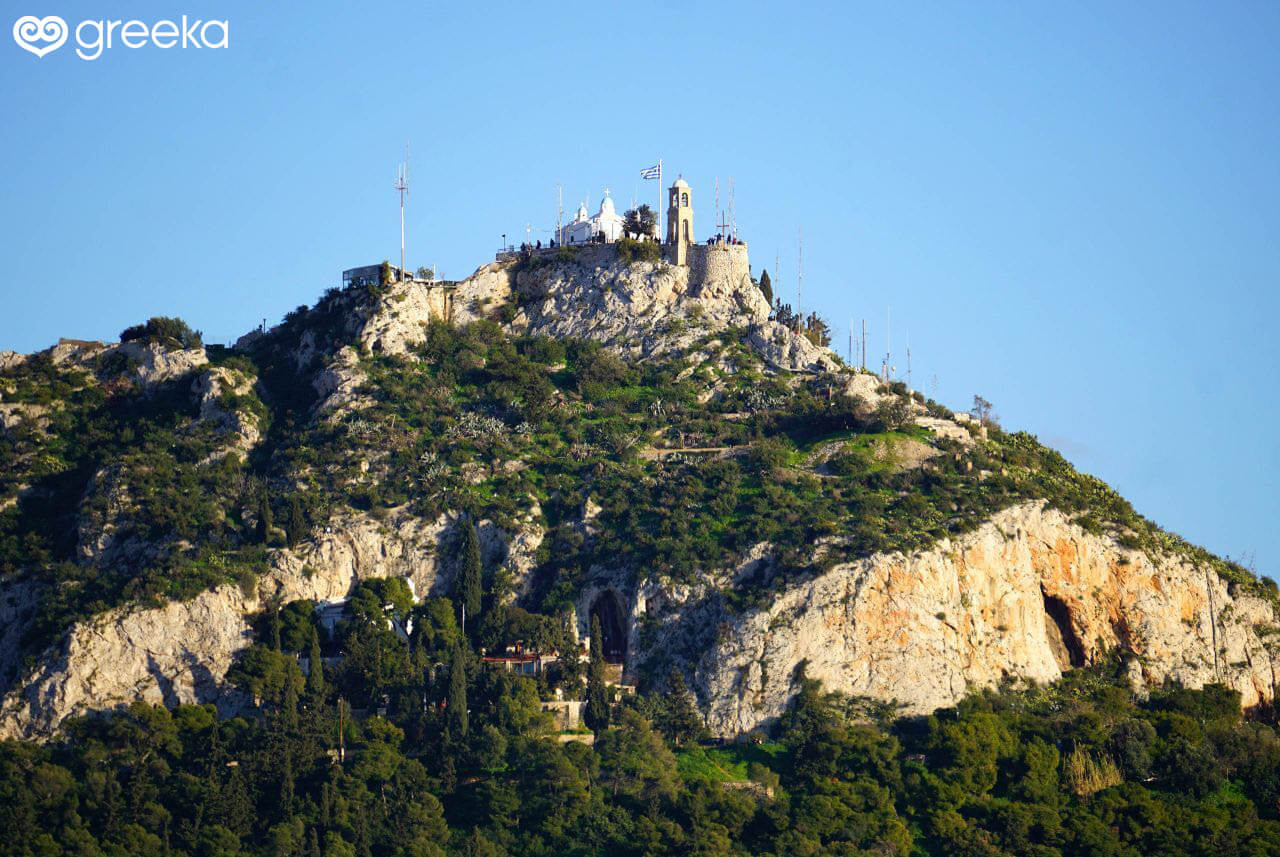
[[19, 599], [180, 653], [643, 309], [150, 363], [13, 415], [218, 391], [1028, 595], [651, 309], [146, 363]]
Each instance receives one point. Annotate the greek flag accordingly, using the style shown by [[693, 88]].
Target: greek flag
[[651, 173]]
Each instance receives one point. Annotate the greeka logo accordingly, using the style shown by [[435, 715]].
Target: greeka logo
[[42, 36], [28, 29]]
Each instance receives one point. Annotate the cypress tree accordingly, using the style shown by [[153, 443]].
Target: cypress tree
[[326, 805], [363, 848], [457, 694], [313, 843], [264, 516], [273, 622], [315, 677], [296, 526], [471, 576], [286, 787], [766, 286], [597, 713], [289, 711]]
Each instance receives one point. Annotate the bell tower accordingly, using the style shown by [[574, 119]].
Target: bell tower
[[680, 221]]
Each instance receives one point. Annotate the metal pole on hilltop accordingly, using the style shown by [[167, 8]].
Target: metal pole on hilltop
[[402, 185]]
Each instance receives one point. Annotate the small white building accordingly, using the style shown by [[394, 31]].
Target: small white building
[[584, 229]]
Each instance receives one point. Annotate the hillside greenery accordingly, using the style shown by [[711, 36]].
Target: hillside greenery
[[476, 423], [392, 735], [122, 494], [411, 746]]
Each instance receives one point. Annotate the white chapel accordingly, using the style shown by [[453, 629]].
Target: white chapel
[[584, 229]]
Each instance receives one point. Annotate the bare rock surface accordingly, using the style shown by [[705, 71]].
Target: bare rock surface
[[181, 652], [1027, 595], [642, 309], [217, 390]]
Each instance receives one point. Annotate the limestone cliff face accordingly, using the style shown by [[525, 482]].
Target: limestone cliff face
[[146, 363], [1027, 595], [642, 309], [180, 653]]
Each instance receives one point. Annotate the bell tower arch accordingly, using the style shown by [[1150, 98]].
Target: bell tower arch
[[680, 220]]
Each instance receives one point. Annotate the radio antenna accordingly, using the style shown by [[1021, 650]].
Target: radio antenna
[[402, 186]]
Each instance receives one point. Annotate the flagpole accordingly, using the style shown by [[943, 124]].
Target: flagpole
[[659, 201]]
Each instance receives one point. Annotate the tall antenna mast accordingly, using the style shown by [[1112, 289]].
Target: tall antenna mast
[[718, 204], [864, 345], [733, 222], [402, 185], [888, 341], [908, 358], [799, 270], [559, 214]]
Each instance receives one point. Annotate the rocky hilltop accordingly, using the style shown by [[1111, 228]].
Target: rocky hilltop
[[730, 499]]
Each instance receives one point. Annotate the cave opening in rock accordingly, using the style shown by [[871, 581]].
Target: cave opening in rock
[[1062, 636], [607, 607]]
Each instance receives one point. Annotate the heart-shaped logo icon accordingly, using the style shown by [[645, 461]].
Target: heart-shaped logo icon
[[29, 29]]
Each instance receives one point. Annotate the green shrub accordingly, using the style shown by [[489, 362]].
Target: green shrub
[[632, 250], [165, 331]]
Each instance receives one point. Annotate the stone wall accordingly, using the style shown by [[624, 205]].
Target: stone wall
[[723, 263]]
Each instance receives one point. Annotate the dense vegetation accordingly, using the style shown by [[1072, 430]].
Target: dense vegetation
[[479, 424], [406, 743], [410, 746], [122, 493]]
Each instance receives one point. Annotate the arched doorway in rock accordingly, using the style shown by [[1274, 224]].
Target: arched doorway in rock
[[1063, 641], [607, 607]]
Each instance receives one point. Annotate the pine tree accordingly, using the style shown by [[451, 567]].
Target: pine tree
[[471, 576], [597, 713], [457, 694], [313, 843], [766, 286], [678, 718]]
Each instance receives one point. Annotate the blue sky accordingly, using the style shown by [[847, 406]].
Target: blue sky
[[1072, 209]]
